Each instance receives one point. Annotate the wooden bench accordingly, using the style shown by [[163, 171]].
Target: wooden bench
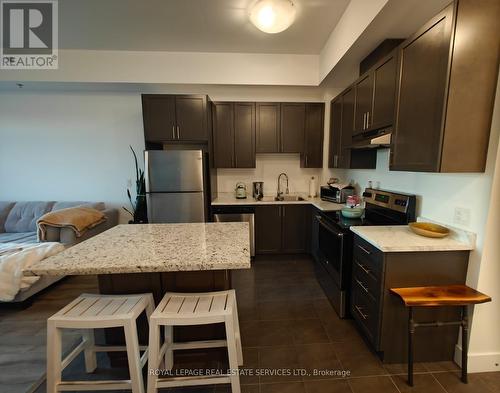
[[439, 296]]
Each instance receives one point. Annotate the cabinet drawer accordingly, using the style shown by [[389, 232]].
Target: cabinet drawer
[[365, 281], [366, 314], [368, 256]]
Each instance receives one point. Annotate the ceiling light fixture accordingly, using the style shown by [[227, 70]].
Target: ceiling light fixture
[[272, 16]]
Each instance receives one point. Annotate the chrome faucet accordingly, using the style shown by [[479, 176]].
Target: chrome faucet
[[279, 195]]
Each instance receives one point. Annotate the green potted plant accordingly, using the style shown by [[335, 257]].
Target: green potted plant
[[139, 209]]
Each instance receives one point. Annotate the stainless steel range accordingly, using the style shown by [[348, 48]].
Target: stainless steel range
[[332, 246]]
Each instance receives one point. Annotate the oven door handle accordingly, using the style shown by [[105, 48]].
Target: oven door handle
[[328, 227]]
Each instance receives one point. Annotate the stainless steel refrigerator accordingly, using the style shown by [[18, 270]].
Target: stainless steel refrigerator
[[177, 188]]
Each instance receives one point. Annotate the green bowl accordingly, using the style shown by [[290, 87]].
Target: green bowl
[[354, 212]]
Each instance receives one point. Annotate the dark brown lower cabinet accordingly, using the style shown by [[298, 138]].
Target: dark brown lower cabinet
[[267, 229], [294, 228], [282, 229], [381, 316]]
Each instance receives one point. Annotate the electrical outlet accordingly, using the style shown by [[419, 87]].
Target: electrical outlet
[[462, 216]]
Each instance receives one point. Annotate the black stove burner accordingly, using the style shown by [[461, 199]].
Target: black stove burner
[[338, 219]]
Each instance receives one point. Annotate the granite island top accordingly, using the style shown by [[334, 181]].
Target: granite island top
[[228, 199], [400, 238], [154, 248]]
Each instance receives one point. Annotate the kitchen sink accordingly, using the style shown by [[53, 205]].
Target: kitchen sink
[[289, 198]]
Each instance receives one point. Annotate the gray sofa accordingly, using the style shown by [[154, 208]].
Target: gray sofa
[[18, 225]]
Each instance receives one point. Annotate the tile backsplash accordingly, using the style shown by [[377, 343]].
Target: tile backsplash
[[268, 168]]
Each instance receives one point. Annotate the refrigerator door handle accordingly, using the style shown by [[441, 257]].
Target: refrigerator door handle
[[178, 133]]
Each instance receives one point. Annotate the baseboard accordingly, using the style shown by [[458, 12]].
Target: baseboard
[[479, 362]]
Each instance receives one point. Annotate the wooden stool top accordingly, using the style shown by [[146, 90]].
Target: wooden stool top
[[446, 295]]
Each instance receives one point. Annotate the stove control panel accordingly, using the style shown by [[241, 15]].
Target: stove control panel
[[390, 200]]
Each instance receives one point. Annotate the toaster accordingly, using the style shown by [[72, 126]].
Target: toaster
[[336, 194]]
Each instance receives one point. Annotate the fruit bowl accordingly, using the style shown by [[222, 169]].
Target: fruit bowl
[[429, 229]]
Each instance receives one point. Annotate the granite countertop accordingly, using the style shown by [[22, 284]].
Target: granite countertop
[[400, 238], [154, 248], [228, 199]]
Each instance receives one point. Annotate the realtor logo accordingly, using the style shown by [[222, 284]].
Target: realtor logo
[[29, 34]]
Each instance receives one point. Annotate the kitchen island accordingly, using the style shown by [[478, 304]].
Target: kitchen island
[[157, 258]]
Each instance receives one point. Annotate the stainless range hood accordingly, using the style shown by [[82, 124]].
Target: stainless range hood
[[380, 140]]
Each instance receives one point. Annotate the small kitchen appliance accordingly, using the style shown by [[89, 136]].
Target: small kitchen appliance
[[258, 190], [333, 240], [240, 191], [336, 192]]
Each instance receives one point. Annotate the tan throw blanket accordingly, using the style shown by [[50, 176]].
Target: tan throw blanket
[[79, 219]]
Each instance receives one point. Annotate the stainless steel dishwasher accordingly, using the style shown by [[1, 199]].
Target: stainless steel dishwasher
[[237, 214]]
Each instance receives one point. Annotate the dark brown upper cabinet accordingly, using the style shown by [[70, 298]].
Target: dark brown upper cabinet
[[293, 119], [158, 115], [341, 132], [268, 119], [234, 134], [335, 133], [244, 134], [384, 92], [363, 103], [312, 156], [191, 116], [448, 73], [375, 96], [291, 127], [170, 118], [347, 127], [223, 134]]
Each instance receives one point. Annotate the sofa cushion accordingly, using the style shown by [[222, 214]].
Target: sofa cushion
[[5, 208], [65, 205], [19, 237], [23, 216]]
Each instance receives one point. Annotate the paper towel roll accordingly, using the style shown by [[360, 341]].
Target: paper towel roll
[[313, 187]]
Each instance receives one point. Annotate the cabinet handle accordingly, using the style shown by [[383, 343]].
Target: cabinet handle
[[362, 267], [367, 119], [335, 161], [364, 249], [358, 309], [362, 286], [306, 160], [173, 132], [178, 133]]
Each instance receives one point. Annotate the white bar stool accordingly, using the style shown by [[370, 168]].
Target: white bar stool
[[88, 312], [181, 309]]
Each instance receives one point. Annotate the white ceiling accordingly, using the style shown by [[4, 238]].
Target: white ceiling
[[191, 26]]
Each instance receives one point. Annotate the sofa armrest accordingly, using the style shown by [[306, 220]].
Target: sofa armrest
[[67, 235]]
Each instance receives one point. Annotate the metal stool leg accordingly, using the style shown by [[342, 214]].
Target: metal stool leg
[[411, 331], [465, 344]]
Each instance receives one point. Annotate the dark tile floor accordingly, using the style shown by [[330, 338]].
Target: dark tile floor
[[287, 323]]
